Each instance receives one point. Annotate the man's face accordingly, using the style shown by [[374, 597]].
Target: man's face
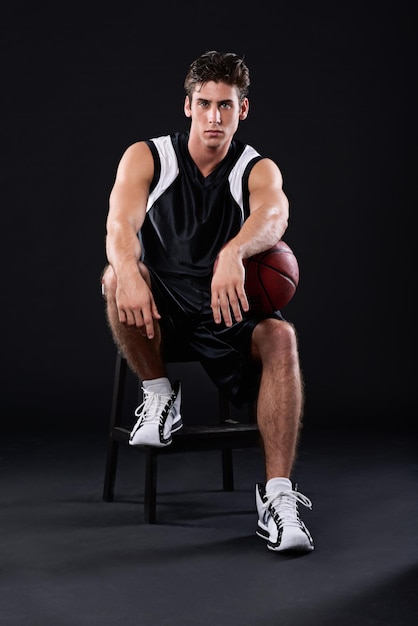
[[215, 112]]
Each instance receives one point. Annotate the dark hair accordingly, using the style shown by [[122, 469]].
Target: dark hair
[[219, 67]]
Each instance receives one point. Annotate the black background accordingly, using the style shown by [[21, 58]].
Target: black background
[[332, 101]]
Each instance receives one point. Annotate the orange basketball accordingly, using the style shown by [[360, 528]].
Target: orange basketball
[[271, 278]]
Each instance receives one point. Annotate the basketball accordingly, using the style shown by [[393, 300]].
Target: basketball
[[271, 278]]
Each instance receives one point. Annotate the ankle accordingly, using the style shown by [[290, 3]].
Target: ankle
[[158, 385], [279, 483]]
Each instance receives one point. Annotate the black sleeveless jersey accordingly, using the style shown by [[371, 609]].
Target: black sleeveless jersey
[[190, 218]]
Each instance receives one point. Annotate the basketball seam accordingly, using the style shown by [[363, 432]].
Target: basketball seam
[[260, 263]]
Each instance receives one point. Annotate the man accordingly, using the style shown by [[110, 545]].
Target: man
[[179, 204]]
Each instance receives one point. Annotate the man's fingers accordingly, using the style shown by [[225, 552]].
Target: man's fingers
[[227, 305], [221, 309]]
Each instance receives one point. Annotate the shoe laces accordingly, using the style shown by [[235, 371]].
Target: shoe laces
[[152, 406], [284, 506]]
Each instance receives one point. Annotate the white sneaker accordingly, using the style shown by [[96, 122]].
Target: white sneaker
[[159, 417], [279, 523]]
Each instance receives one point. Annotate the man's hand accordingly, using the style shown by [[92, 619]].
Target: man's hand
[[228, 293], [136, 305]]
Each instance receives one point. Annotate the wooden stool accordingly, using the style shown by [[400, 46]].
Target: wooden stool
[[224, 436]]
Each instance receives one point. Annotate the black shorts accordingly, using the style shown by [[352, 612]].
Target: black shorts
[[188, 329]]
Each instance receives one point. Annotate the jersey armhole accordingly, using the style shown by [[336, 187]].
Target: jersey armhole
[[245, 177], [157, 164]]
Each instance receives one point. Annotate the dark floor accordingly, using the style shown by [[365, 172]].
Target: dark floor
[[70, 559]]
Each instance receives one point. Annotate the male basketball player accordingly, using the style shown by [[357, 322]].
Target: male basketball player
[[179, 202]]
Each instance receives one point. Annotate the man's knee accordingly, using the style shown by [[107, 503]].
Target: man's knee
[[274, 337], [143, 270], [108, 282]]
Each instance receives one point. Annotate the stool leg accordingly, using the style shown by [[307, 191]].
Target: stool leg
[[115, 419], [110, 471], [227, 461], [150, 492]]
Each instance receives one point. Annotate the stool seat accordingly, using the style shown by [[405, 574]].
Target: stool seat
[[205, 437]]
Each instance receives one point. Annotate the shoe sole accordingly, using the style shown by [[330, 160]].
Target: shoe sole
[[178, 422], [178, 425], [293, 550]]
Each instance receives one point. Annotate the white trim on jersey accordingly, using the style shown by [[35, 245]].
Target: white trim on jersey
[[236, 175], [169, 168]]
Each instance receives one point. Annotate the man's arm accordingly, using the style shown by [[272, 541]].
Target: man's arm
[[266, 224], [127, 209]]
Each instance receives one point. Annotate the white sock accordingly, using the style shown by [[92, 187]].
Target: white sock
[[158, 385], [274, 485]]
